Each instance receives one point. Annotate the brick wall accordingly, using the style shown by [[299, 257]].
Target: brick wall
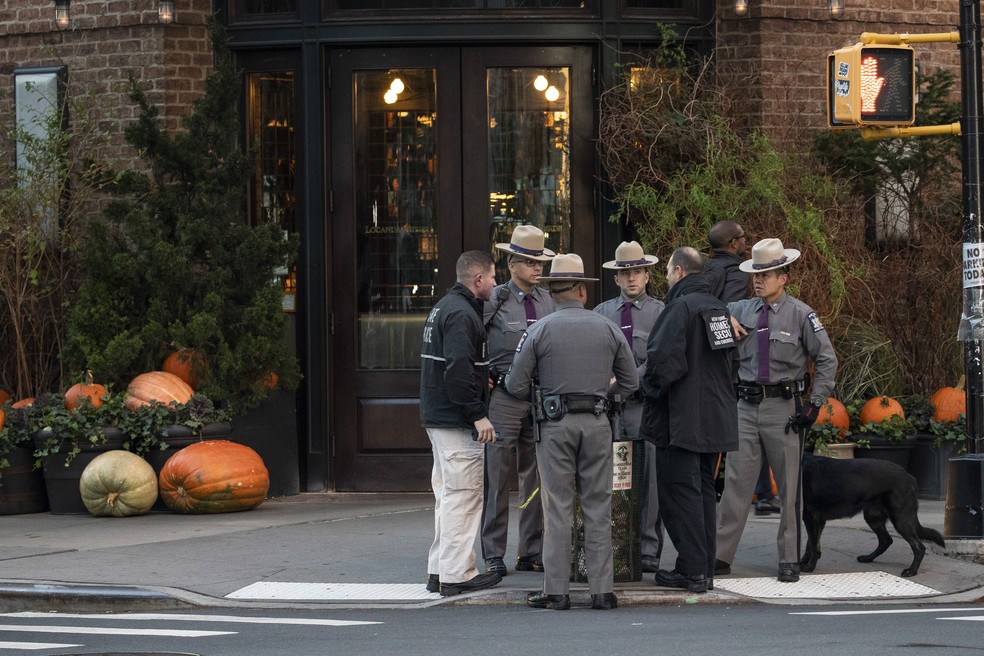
[[777, 53], [107, 40]]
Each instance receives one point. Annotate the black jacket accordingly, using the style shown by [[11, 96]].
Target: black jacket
[[728, 282], [690, 399], [454, 367]]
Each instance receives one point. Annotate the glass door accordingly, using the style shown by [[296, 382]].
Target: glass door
[[435, 152]]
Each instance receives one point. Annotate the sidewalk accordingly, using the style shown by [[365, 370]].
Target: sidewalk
[[369, 550]]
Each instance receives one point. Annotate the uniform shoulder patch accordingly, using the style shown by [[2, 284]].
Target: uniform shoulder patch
[[522, 340], [815, 322]]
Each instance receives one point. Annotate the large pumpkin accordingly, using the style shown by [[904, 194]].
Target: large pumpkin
[[85, 390], [879, 409], [157, 386], [834, 412], [214, 476], [3, 418], [118, 484], [950, 402], [183, 364]]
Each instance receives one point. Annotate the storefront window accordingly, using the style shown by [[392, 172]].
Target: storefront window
[[271, 122], [364, 5], [529, 154], [396, 158], [261, 7]]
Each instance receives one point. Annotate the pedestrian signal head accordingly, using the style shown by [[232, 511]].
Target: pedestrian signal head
[[871, 85]]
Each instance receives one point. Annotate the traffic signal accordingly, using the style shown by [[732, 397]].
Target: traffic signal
[[871, 85]]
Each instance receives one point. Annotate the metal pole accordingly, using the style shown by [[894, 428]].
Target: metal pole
[[964, 500]]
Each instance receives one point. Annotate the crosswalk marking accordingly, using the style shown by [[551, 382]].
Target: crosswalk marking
[[102, 630], [893, 611], [34, 646], [185, 617]]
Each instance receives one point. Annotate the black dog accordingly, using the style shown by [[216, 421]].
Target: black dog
[[836, 489]]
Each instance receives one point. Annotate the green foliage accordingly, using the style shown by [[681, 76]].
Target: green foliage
[[950, 431], [51, 428], [174, 262]]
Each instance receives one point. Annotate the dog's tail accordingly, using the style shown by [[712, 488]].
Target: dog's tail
[[930, 534]]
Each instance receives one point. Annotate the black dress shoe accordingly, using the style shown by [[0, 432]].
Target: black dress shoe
[[650, 564], [605, 601], [433, 583], [479, 582], [495, 565], [531, 563], [553, 602], [721, 567], [767, 507], [674, 579], [789, 572]]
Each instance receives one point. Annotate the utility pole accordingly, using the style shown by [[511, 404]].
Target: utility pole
[[965, 476]]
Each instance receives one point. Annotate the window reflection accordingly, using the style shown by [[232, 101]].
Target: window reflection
[[529, 154], [396, 208]]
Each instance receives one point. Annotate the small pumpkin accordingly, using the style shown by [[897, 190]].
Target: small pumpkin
[[3, 418], [879, 409], [157, 386], [271, 380], [24, 403], [85, 390], [118, 484], [214, 476], [950, 402], [4, 396], [834, 412], [183, 364]]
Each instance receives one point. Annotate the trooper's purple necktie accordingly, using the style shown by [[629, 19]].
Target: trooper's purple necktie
[[627, 322], [762, 331], [530, 310]]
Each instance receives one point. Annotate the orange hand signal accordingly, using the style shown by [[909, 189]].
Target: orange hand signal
[[871, 84]]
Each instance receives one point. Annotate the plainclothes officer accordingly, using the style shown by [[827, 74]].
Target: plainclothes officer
[[635, 312], [454, 388], [574, 352], [516, 305], [778, 337], [689, 414]]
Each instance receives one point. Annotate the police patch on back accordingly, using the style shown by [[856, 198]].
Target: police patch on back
[[815, 322]]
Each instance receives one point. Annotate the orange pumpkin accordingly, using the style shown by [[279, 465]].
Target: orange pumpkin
[[24, 403], [834, 412], [4, 396], [950, 402], [183, 364], [157, 386], [214, 476], [87, 390], [3, 417], [879, 409], [270, 380]]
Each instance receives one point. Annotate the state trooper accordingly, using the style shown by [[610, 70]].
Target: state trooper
[[517, 304], [635, 311], [574, 353], [778, 337]]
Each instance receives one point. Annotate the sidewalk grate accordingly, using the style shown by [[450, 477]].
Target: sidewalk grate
[[827, 586], [274, 590]]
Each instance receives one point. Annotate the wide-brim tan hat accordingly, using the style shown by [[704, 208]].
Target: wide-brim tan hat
[[567, 268], [629, 255], [767, 255], [527, 241]]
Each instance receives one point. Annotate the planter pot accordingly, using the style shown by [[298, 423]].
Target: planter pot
[[881, 448], [178, 437], [23, 486], [929, 463], [61, 479], [271, 431], [838, 451]]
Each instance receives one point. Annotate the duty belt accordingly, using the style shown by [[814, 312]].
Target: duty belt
[[755, 393], [555, 406]]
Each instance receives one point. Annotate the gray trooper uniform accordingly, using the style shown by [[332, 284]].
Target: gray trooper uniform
[[506, 322], [645, 310], [574, 352], [796, 336]]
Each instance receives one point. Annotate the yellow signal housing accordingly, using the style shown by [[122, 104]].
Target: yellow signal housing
[[871, 84]]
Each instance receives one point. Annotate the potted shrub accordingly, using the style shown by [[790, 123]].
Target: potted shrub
[[831, 435]]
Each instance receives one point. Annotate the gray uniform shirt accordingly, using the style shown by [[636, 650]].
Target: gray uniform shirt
[[573, 351], [645, 310], [510, 322], [795, 337]]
